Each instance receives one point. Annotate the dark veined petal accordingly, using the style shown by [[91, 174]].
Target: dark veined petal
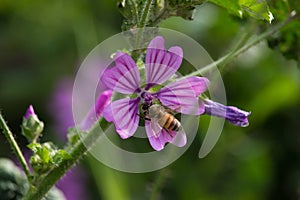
[[161, 64], [159, 140], [124, 114], [182, 95], [124, 77]]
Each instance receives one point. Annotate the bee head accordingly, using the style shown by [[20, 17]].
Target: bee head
[[145, 107]]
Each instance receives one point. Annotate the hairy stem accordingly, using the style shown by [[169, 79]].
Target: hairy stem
[[14, 145], [76, 152], [141, 24], [135, 10], [145, 14]]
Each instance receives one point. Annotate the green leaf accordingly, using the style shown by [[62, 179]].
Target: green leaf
[[44, 154], [42, 159], [12, 180], [287, 40], [13, 183], [60, 156], [232, 6], [73, 135], [257, 9], [34, 146], [160, 10], [180, 8]]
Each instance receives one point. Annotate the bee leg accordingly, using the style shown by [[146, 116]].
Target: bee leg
[[145, 118]]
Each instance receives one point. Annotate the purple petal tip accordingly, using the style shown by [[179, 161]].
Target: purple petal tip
[[102, 101], [94, 113], [157, 43], [29, 112]]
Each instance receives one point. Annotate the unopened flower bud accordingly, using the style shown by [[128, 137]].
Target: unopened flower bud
[[32, 127], [232, 114]]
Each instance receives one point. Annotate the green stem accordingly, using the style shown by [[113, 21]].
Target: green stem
[[145, 14], [230, 56], [76, 152], [135, 11], [14, 145], [141, 24], [240, 42]]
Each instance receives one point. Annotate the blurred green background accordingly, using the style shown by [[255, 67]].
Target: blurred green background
[[42, 43]]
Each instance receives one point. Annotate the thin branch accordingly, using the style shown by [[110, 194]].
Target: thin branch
[[232, 55], [135, 11], [141, 25], [145, 14]]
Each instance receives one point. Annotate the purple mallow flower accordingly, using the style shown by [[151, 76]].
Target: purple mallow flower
[[160, 66], [232, 114]]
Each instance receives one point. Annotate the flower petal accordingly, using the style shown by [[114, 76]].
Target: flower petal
[[182, 95], [94, 114], [161, 64], [159, 140], [124, 114], [124, 77]]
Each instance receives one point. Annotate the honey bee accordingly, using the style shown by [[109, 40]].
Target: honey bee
[[158, 115]]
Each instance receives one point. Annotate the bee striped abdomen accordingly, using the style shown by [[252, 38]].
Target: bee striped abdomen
[[175, 126], [163, 118], [171, 123]]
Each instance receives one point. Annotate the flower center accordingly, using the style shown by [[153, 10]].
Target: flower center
[[146, 96]]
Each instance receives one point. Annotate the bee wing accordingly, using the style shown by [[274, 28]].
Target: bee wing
[[173, 109], [155, 127], [158, 137], [179, 138]]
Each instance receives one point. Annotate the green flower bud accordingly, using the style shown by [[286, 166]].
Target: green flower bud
[[32, 127]]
